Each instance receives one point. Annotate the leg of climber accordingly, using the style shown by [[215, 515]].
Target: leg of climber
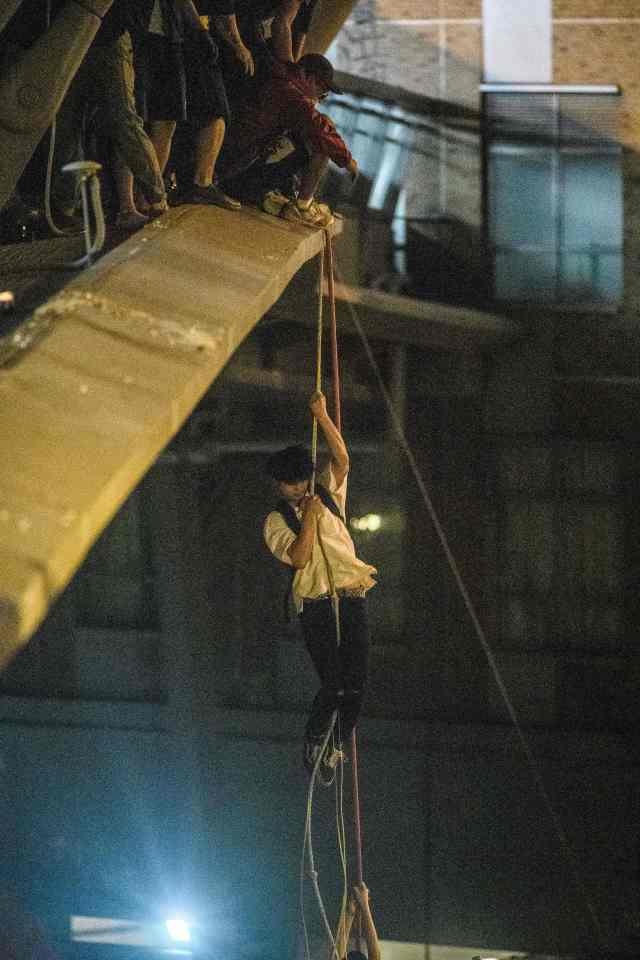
[[354, 659], [319, 631]]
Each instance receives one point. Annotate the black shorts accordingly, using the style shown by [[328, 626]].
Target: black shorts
[[161, 87], [206, 91]]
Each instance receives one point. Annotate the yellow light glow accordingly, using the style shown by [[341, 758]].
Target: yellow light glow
[[370, 522]]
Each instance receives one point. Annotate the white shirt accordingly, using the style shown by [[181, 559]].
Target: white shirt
[[332, 546]]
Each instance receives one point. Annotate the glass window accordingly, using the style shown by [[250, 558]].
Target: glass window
[[114, 588], [560, 546], [554, 205], [591, 198], [522, 211]]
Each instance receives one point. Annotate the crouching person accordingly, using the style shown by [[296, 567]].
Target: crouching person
[[286, 105]]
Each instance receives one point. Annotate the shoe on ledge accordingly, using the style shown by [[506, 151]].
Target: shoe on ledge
[[130, 220], [314, 215], [213, 195]]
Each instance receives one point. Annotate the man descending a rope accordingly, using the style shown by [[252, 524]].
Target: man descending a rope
[[307, 531]]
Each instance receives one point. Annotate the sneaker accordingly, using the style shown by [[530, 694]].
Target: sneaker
[[274, 201], [157, 208], [211, 194], [323, 209], [312, 216]]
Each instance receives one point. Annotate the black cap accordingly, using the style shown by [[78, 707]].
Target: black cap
[[319, 66]]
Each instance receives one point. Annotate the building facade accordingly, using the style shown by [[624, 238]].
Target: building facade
[[151, 731]]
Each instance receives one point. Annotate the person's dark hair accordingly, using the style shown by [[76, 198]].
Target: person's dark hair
[[318, 66], [290, 465]]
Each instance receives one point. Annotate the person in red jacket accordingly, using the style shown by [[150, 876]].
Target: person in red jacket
[[287, 104]]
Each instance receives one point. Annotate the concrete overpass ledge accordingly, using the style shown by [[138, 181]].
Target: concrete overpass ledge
[[127, 349], [395, 317]]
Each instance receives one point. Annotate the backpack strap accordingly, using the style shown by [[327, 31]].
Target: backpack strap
[[290, 517], [329, 502]]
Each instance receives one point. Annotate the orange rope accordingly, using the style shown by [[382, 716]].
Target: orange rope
[[335, 363]]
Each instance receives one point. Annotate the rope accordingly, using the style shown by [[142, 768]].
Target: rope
[[335, 363], [328, 265], [337, 400], [314, 427], [342, 849], [307, 849], [356, 808], [453, 566], [308, 843]]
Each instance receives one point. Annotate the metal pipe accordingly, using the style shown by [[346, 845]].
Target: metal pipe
[[32, 90]]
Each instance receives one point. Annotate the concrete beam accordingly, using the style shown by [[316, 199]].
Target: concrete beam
[[327, 25], [130, 347], [394, 317]]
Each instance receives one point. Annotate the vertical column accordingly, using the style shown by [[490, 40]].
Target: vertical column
[[517, 41], [176, 547]]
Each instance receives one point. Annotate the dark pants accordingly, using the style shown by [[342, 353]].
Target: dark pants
[[252, 184], [342, 669]]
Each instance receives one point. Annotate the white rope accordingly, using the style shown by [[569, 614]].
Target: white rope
[[314, 427], [91, 246], [307, 848], [335, 604], [342, 848]]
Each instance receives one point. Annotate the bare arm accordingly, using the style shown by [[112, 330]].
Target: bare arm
[[227, 27], [335, 442], [344, 929], [281, 29], [297, 45], [368, 926]]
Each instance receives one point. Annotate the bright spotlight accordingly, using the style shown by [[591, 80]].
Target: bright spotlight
[[178, 928]]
